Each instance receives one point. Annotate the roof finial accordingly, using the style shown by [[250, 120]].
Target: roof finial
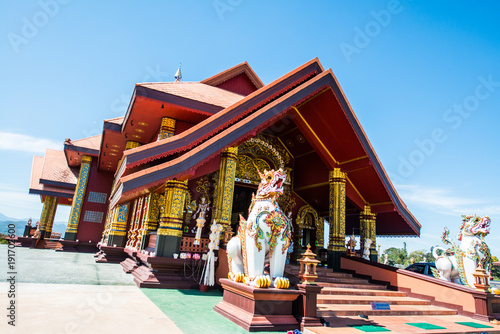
[[178, 74]]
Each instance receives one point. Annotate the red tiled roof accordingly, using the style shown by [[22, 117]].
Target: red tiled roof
[[262, 117], [196, 91], [38, 188], [92, 143], [36, 173], [116, 120], [56, 169]]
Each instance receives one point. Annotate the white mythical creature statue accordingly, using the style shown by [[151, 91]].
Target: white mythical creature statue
[[366, 251], [456, 264], [264, 236]]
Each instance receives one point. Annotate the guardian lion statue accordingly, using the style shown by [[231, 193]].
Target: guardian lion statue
[[457, 263], [264, 236]]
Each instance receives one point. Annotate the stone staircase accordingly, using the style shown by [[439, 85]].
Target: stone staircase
[[344, 295], [48, 244]]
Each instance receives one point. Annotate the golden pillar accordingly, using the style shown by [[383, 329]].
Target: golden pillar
[[367, 226], [336, 248], [47, 216], [167, 128], [169, 231], [76, 207], [50, 217], [150, 219], [117, 232], [225, 191]]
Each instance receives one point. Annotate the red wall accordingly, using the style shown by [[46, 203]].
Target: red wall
[[98, 182]]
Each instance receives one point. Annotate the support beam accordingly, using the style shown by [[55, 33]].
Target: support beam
[[225, 190], [47, 216], [336, 248], [76, 207], [169, 232], [50, 218], [368, 230]]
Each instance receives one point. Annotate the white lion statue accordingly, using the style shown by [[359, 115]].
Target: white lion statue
[[366, 251], [456, 264], [264, 236]]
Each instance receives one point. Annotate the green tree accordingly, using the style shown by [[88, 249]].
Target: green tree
[[396, 256], [495, 270]]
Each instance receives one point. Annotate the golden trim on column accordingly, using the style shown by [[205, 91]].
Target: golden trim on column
[[118, 226], [51, 215], [225, 188], [150, 218], [131, 144], [367, 226], [76, 207], [167, 128], [45, 212], [171, 218], [337, 180]]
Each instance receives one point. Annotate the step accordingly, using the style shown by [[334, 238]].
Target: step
[[361, 292], [342, 280], [330, 310], [352, 286], [366, 300]]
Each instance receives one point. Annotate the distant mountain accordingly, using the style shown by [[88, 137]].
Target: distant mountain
[[4, 217], [21, 223]]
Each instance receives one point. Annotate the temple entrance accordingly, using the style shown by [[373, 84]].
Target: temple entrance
[[241, 202], [310, 230]]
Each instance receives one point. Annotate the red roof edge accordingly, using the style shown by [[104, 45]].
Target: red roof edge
[[233, 72]]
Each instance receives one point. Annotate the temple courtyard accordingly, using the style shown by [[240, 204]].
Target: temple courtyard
[[58, 292]]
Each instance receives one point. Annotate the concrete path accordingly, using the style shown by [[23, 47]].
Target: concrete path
[[58, 292], [69, 308]]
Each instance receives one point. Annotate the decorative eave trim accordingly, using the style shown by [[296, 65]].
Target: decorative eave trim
[[49, 193], [66, 185]]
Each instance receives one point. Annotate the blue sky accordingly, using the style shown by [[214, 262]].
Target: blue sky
[[422, 76]]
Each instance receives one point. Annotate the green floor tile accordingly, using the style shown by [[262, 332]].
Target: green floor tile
[[424, 325], [370, 328], [474, 324]]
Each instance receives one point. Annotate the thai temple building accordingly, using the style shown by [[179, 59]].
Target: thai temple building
[[190, 150], [164, 188]]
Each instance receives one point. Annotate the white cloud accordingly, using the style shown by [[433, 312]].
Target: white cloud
[[16, 204], [20, 142], [443, 202]]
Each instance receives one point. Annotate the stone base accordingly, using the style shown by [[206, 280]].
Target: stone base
[[76, 246], [68, 245], [130, 264], [167, 273], [111, 254], [256, 309], [24, 242]]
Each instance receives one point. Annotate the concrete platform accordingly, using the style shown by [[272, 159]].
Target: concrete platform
[[71, 308], [398, 324]]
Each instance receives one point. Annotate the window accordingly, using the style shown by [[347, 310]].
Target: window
[[93, 216], [96, 197]]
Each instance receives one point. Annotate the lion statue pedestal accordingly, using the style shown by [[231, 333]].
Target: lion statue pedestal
[[458, 263]]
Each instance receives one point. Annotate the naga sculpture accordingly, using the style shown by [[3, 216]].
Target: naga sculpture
[[264, 236], [457, 263]]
